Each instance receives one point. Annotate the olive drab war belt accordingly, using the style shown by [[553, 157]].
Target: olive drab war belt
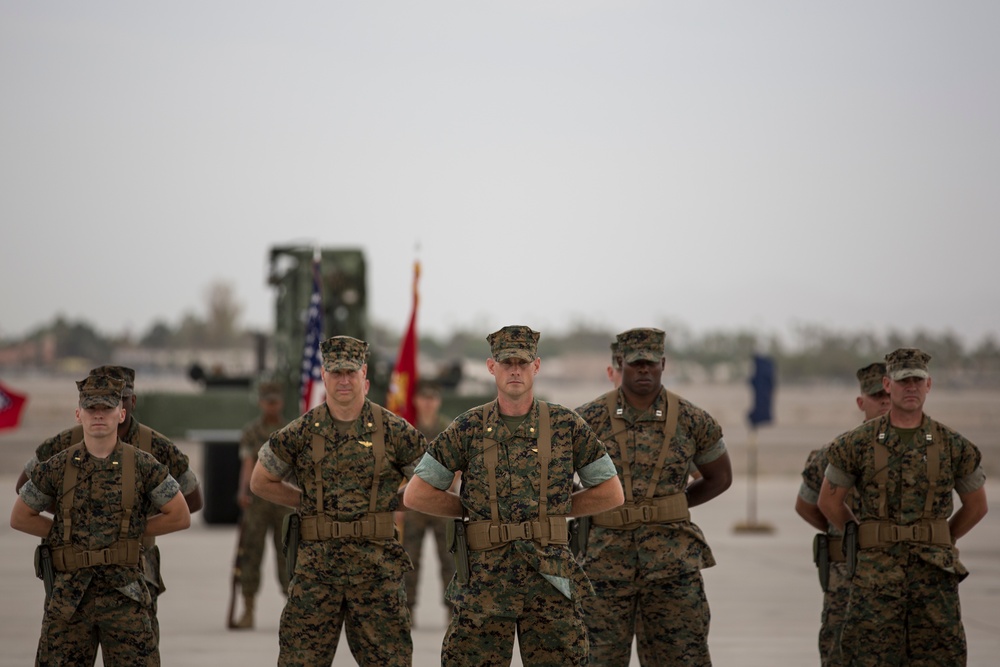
[[319, 528], [874, 534], [485, 535], [122, 552], [665, 509]]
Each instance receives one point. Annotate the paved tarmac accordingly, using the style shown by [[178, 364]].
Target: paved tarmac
[[764, 593]]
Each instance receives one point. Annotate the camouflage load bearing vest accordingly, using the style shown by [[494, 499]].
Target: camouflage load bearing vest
[[122, 551], [145, 444], [663, 509], [928, 530], [374, 525], [492, 534]]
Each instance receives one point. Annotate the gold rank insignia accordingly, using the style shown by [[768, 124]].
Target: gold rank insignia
[[364, 443]]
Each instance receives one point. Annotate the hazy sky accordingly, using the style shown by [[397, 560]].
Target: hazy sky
[[720, 164]]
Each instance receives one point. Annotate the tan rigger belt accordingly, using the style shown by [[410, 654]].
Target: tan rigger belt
[[485, 535], [872, 534], [122, 552], [379, 525], [665, 509]]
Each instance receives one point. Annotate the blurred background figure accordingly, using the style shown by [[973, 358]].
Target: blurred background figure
[[259, 516], [430, 422]]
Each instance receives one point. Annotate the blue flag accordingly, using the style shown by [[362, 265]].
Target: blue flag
[[762, 382]]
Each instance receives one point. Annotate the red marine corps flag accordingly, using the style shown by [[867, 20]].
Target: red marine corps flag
[[11, 404], [402, 385]]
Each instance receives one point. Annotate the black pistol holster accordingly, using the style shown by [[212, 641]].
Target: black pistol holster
[[290, 533], [851, 546], [579, 533], [43, 567], [821, 556], [458, 545]]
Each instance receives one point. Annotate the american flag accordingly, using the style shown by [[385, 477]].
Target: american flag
[[312, 360]]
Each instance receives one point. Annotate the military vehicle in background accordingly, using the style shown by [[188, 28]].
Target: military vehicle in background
[[215, 413]]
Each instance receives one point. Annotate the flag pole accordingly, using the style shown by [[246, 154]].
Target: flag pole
[[751, 525], [763, 383]]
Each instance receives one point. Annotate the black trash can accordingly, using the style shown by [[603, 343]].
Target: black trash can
[[220, 478]]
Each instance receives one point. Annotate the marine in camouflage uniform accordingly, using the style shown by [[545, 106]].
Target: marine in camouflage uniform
[[259, 516], [904, 604], [161, 448], [614, 369], [645, 558], [416, 525], [522, 576], [99, 594], [350, 565], [873, 402]]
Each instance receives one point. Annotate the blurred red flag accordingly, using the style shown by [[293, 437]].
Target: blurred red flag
[[11, 404], [403, 383]]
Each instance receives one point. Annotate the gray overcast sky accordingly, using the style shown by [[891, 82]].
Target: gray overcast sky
[[719, 164]]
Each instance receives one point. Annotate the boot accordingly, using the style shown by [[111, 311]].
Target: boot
[[247, 619]]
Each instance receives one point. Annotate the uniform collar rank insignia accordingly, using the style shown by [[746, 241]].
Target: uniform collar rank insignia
[[364, 443], [928, 437], [619, 412], [881, 436], [659, 413]]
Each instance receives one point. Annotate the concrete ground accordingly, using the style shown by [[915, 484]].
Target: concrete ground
[[764, 593]]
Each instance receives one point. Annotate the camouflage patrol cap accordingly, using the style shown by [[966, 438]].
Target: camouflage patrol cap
[[428, 388], [641, 345], [907, 362], [269, 390], [343, 353], [100, 390], [120, 372], [870, 378], [514, 341]]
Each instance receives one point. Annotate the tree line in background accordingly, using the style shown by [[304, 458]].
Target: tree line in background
[[816, 353]]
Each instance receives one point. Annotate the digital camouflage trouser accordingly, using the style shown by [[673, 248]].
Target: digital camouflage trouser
[[550, 633], [669, 618], [916, 622], [260, 518], [832, 619], [373, 613], [415, 525], [119, 624]]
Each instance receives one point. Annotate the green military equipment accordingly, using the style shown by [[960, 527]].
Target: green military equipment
[[851, 546], [579, 533], [43, 568], [821, 557], [458, 545], [214, 414], [291, 529]]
